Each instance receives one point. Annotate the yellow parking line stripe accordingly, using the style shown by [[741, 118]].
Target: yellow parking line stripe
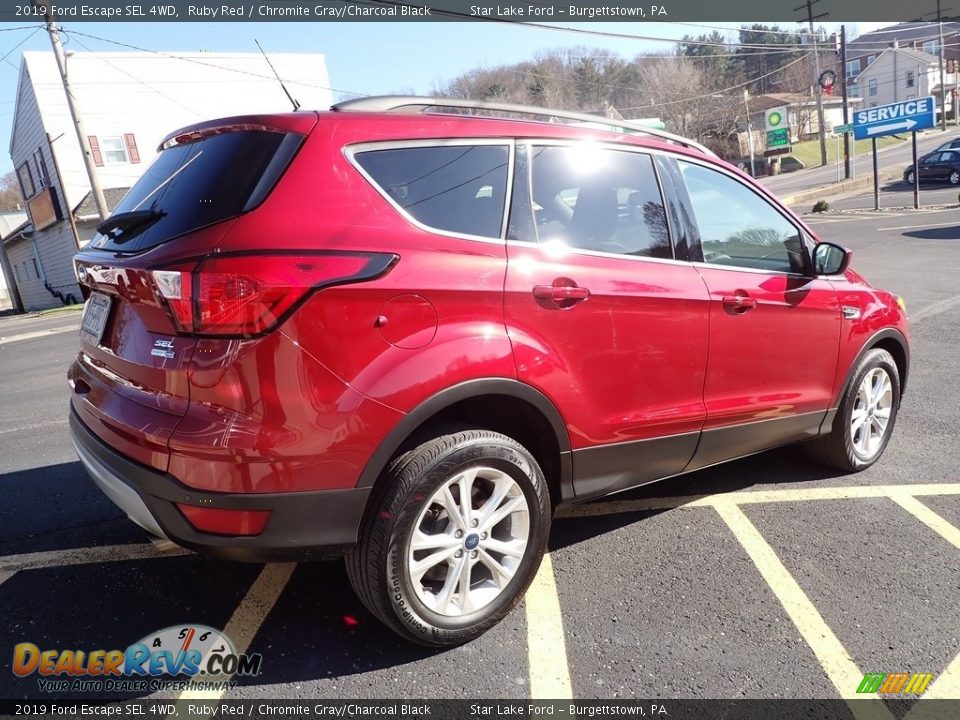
[[758, 496], [83, 556], [833, 657], [945, 687], [246, 620], [928, 517], [546, 647]]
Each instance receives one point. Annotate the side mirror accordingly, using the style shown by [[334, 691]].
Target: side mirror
[[830, 259]]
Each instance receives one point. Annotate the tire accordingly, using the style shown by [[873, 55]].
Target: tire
[[909, 177], [954, 178], [435, 608], [855, 450]]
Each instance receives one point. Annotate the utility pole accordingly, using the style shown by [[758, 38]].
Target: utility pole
[[746, 107], [95, 188], [943, 88], [816, 77], [846, 105]]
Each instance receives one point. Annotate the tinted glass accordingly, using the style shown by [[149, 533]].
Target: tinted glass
[[739, 227], [200, 183], [459, 188], [597, 199]]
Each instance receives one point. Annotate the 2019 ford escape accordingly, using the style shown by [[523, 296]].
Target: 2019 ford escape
[[408, 336]]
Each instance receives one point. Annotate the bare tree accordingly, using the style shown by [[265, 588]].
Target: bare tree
[[10, 198]]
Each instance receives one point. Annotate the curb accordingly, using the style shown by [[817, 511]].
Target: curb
[[838, 190]]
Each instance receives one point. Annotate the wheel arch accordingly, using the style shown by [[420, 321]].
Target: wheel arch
[[499, 404], [893, 342]]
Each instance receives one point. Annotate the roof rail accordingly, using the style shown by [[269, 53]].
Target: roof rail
[[412, 103]]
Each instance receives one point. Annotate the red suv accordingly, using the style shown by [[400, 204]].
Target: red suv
[[407, 337]]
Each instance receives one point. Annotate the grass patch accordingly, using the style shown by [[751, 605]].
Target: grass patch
[[808, 152]]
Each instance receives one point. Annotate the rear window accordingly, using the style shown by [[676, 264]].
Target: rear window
[[200, 183], [453, 188]]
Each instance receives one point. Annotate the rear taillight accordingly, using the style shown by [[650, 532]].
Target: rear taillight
[[244, 295]]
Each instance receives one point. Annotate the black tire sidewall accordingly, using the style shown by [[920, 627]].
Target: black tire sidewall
[[874, 359], [409, 609]]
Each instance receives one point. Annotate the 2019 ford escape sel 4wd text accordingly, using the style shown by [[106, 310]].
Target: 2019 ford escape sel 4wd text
[[407, 335]]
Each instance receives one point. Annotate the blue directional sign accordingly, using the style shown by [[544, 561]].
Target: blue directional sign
[[906, 116]]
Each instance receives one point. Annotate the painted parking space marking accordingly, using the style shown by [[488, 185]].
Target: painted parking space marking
[[746, 497], [833, 657], [928, 517], [546, 647], [11, 564], [918, 227], [37, 334], [246, 621], [936, 308], [826, 646]]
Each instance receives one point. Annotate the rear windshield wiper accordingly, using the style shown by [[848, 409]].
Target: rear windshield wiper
[[126, 222]]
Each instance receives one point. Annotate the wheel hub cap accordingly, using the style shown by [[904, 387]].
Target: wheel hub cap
[[469, 541]]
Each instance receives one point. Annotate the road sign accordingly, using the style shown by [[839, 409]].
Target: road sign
[[842, 129], [778, 138], [907, 116]]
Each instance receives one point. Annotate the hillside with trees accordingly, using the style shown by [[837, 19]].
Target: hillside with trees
[[697, 89]]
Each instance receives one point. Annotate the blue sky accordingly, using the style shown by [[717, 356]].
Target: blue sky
[[368, 58]]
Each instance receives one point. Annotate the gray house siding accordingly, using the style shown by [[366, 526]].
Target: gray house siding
[[55, 245], [23, 260]]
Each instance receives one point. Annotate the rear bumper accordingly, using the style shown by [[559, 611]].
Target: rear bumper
[[302, 525]]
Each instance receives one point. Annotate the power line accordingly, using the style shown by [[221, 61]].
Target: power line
[[212, 65]]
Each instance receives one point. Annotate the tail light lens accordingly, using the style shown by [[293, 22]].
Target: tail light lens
[[245, 295]]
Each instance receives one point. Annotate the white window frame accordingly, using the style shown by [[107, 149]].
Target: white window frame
[[104, 150], [911, 78], [872, 87]]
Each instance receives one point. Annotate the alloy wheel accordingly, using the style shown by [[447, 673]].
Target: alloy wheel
[[469, 541], [871, 413]]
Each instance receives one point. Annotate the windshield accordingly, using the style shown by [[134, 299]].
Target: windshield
[[197, 184]]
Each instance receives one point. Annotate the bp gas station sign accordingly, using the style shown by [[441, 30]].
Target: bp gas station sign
[[778, 131]]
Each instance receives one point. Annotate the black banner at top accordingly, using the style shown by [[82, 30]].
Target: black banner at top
[[559, 12]]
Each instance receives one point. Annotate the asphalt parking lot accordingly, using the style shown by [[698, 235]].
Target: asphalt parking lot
[[770, 577]]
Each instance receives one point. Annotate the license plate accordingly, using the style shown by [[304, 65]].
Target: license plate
[[95, 316]]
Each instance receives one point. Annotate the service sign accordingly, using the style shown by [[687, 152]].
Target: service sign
[[899, 117]]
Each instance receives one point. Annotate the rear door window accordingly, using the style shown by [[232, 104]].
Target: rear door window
[[597, 199], [453, 188], [197, 184]]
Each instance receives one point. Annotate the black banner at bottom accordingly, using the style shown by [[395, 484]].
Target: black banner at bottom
[[669, 709]]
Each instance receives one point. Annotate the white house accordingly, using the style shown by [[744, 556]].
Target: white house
[[899, 74], [128, 101]]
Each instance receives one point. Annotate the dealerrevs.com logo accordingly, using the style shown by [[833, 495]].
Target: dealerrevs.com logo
[[187, 652]]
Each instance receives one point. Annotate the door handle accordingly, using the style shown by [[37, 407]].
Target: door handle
[[561, 295], [739, 303]]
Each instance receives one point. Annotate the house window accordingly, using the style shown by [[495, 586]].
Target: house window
[[853, 91], [911, 97], [114, 149], [43, 177], [870, 59], [853, 68], [36, 268], [26, 181], [16, 271], [910, 78], [932, 47], [872, 87]]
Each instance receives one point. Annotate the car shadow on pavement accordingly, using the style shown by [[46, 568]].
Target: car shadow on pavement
[[936, 233], [776, 467]]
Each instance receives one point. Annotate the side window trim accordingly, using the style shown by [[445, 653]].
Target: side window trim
[[351, 151], [801, 232]]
